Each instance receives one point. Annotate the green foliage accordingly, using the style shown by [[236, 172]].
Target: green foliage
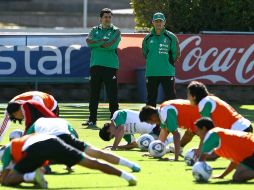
[[192, 16]]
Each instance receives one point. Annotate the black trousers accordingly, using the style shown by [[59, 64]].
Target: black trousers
[[152, 85], [102, 75]]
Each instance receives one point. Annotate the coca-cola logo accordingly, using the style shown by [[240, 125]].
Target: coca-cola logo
[[214, 59]]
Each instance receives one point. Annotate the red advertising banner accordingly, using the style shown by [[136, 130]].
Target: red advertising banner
[[212, 59]]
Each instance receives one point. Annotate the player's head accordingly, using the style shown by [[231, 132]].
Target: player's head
[[149, 114], [105, 17], [203, 125], [105, 132], [159, 21], [196, 91], [14, 112], [16, 134]]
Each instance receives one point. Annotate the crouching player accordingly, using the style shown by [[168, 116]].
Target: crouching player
[[124, 124], [236, 146], [30, 152], [171, 115]]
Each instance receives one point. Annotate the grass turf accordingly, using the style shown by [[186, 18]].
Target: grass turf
[[155, 174]]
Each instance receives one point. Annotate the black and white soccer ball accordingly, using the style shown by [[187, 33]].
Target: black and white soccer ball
[[144, 141], [201, 171], [157, 149], [189, 157]]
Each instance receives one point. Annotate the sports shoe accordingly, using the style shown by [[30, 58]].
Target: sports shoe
[[40, 180], [136, 168], [133, 182], [89, 123]]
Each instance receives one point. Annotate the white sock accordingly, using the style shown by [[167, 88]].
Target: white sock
[[28, 177], [169, 140], [126, 176], [125, 162]]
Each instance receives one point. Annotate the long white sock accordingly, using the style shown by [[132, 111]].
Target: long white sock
[[28, 177], [127, 176], [125, 162]]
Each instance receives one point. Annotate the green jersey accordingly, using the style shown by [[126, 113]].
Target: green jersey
[[103, 43], [160, 52]]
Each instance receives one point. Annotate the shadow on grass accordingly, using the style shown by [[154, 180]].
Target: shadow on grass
[[94, 187], [105, 187], [230, 182]]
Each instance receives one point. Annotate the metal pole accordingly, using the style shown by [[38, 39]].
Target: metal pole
[[85, 13]]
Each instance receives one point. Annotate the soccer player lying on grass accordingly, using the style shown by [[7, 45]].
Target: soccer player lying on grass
[[45, 99], [124, 124], [221, 113], [29, 111], [171, 115], [31, 152], [62, 129], [236, 146]]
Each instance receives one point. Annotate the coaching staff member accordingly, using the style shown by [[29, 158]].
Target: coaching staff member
[[103, 41], [161, 50]]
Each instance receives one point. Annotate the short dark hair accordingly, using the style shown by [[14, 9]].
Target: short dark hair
[[198, 89], [204, 122], [13, 107], [146, 112], [105, 10], [104, 134]]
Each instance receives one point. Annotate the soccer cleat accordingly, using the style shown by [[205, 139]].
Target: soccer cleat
[[89, 123], [40, 180], [133, 182], [136, 168]]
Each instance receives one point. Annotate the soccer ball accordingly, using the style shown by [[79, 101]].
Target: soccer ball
[[201, 171], [157, 149], [16, 134], [189, 157], [144, 141]]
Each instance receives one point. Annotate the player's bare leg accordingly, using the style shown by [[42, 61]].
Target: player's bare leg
[[105, 168], [243, 174], [107, 156], [12, 178]]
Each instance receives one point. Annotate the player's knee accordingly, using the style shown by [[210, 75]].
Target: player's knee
[[237, 177]]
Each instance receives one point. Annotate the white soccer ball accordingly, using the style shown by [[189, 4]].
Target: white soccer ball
[[16, 134], [201, 171], [144, 141], [157, 149], [189, 157]]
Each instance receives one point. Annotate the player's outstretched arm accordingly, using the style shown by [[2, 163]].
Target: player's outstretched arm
[[176, 136], [228, 170], [118, 137]]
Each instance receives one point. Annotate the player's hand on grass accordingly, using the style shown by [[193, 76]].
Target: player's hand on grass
[[196, 154], [218, 177], [146, 155]]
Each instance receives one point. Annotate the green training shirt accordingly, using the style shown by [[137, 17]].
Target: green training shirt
[[160, 52], [103, 43]]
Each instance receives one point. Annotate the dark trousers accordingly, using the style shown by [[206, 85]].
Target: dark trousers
[[100, 75], [152, 85]]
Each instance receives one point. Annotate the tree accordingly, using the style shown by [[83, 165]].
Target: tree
[[192, 16]]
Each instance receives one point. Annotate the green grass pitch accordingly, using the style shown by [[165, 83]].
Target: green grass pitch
[[155, 174]]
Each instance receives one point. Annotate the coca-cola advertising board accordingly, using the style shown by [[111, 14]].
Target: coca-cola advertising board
[[212, 59]]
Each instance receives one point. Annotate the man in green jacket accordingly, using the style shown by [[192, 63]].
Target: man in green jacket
[[161, 51], [103, 41]]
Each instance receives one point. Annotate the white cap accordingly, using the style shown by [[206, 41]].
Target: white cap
[[16, 134]]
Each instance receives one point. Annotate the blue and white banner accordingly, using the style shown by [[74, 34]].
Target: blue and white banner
[[44, 56]]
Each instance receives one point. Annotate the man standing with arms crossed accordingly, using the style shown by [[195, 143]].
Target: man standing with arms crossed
[[103, 41], [161, 51]]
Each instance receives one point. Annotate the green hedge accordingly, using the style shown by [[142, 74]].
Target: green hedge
[[197, 15]]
